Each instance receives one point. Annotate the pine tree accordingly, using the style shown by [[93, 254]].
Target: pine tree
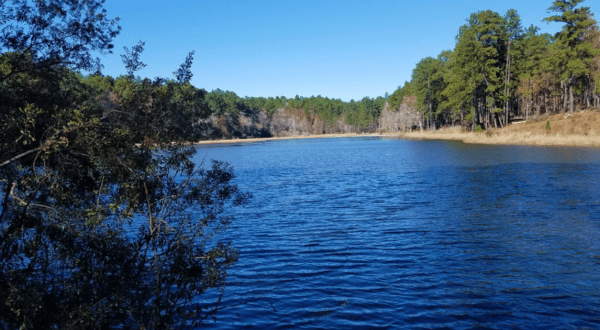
[[474, 77], [573, 53]]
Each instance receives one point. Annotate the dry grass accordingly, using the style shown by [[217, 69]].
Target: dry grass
[[580, 129], [446, 133]]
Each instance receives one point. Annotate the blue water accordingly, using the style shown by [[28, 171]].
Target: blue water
[[388, 233]]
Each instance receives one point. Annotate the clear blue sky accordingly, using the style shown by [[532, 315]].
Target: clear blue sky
[[344, 49]]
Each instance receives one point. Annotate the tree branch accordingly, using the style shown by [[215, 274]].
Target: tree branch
[[20, 156]]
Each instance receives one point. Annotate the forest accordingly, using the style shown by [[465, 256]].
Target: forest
[[105, 219], [497, 72]]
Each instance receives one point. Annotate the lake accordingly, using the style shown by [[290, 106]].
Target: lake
[[361, 233]]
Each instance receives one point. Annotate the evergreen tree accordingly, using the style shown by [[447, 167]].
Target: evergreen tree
[[514, 32], [573, 53], [475, 75], [427, 79]]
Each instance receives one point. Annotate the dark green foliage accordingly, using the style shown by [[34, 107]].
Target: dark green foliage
[[184, 73], [498, 70], [222, 102], [359, 113], [131, 58], [53, 33], [270, 104], [398, 96], [364, 112], [475, 68], [105, 219], [171, 110], [428, 82], [572, 54]]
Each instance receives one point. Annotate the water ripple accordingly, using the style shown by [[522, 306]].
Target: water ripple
[[413, 234]]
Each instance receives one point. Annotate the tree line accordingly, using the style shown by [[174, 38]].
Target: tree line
[[499, 70], [227, 103]]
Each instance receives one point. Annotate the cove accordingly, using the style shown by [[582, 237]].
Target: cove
[[390, 233]]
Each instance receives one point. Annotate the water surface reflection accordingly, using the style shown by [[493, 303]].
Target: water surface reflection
[[386, 233]]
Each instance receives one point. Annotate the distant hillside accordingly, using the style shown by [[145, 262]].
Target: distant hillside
[[299, 122]]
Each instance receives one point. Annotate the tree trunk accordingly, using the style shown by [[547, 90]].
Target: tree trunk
[[484, 116], [565, 95], [587, 96], [527, 111], [571, 100], [507, 82], [429, 122]]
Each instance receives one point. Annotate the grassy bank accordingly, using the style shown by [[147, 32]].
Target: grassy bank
[[580, 129]]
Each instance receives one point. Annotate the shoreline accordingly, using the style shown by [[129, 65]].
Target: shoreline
[[582, 129], [295, 137], [495, 138], [511, 138]]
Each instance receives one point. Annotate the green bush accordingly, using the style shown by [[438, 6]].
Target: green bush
[[478, 129]]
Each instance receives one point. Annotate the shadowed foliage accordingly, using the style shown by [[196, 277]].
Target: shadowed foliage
[[105, 219]]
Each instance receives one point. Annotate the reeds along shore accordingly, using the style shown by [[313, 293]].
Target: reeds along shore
[[580, 129]]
